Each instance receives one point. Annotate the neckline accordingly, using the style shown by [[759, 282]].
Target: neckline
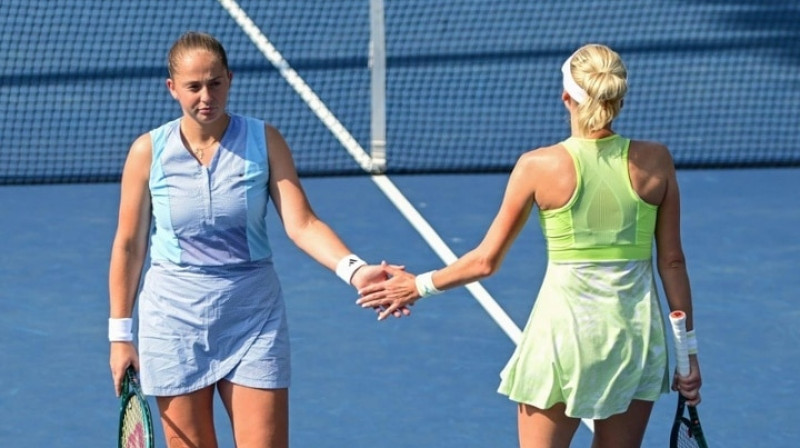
[[193, 155], [595, 140]]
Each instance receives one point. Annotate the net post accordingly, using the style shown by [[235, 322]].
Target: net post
[[377, 65]]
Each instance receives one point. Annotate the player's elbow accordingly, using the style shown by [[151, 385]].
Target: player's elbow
[[294, 235], [482, 266], [129, 246], [299, 230], [486, 269], [671, 262]]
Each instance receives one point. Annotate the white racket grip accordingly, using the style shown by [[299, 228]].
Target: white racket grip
[[678, 320]]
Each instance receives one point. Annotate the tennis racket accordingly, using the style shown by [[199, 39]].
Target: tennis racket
[[686, 432], [135, 421]]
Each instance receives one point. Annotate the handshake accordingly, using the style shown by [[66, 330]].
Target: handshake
[[389, 289]]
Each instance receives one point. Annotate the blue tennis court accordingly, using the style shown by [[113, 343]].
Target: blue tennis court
[[428, 380], [470, 84]]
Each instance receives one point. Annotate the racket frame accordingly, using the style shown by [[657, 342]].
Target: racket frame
[[132, 391]]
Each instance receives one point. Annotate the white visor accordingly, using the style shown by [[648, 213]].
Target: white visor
[[570, 86]]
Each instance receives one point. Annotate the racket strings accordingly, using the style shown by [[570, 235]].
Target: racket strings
[[132, 435], [686, 438]]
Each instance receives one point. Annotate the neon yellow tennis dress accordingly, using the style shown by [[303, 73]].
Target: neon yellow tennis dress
[[595, 339]]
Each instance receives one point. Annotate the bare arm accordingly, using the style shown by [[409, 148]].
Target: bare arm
[[488, 256], [482, 261], [671, 264], [670, 261], [129, 249], [304, 228]]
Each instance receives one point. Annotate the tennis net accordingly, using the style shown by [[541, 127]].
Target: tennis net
[[470, 84]]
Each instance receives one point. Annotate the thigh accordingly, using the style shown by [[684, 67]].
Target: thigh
[[260, 417], [545, 428], [188, 420], [624, 430]]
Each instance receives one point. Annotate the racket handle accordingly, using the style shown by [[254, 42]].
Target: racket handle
[[678, 320]]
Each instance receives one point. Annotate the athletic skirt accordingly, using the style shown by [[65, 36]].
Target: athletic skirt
[[199, 325], [595, 340]]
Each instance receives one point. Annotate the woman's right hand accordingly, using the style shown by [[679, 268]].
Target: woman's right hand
[[123, 355], [399, 291]]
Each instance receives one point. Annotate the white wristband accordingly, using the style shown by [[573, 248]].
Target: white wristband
[[120, 329], [424, 283], [691, 339], [347, 266]]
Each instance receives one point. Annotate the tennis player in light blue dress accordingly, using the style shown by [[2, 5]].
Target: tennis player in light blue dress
[[211, 315], [595, 345], [211, 295]]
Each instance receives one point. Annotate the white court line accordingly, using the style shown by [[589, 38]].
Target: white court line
[[384, 184], [353, 147], [298, 84], [438, 245]]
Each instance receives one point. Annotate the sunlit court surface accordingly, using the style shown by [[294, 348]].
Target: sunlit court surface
[[426, 380], [405, 119]]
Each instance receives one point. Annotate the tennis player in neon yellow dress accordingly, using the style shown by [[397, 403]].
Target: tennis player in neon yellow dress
[[595, 345]]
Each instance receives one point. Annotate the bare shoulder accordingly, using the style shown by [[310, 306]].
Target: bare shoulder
[[271, 130], [143, 143], [547, 172], [137, 166], [648, 154], [275, 141], [141, 152], [547, 158], [280, 157]]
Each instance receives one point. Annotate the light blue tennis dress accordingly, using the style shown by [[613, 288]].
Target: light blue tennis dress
[[211, 305], [595, 339]]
